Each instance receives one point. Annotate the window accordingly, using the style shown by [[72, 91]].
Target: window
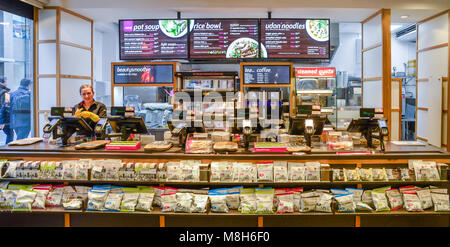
[[16, 72]]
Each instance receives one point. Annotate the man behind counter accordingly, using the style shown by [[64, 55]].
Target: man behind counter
[[89, 108]]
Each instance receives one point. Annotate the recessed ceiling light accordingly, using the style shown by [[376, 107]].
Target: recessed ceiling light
[[404, 16], [393, 27]]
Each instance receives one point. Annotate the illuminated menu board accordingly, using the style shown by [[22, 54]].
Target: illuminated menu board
[[143, 74], [226, 38], [153, 39], [296, 38], [267, 74]]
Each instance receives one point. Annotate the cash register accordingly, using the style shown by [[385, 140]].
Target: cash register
[[246, 123], [181, 129], [124, 123], [308, 121], [63, 125], [370, 121]]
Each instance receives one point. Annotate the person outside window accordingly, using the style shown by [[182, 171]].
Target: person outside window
[[20, 110], [5, 110]]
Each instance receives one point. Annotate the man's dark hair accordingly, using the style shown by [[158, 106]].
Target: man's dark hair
[[25, 82], [2, 79]]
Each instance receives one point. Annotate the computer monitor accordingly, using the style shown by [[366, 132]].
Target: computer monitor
[[366, 126], [68, 126], [242, 118], [370, 112], [61, 111], [191, 125], [127, 125], [78, 124], [297, 125], [362, 124], [308, 110], [123, 111]]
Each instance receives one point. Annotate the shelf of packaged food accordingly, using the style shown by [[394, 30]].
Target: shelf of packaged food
[[155, 212], [237, 213], [400, 212], [390, 182], [19, 180], [48, 210], [278, 184]]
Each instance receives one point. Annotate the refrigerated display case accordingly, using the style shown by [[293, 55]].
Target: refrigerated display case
[[214, 87], [316, 86]]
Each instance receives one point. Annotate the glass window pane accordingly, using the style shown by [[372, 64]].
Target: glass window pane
[[16, 66]]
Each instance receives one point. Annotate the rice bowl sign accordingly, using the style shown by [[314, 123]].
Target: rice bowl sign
[[315, 72]]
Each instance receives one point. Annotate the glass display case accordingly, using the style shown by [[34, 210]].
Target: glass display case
[[217, 101], [316, 86], [149, 88], [349, 94], [151, 103]]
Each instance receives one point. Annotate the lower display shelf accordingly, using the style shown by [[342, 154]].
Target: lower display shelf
[[158, 212], [278, 184]]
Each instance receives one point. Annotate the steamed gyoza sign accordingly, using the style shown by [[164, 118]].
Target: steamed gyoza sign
[[315, 72]]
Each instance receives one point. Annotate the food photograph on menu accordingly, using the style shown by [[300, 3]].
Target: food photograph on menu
[[153, 39], [224, 39], [143, 74], [296, 38]]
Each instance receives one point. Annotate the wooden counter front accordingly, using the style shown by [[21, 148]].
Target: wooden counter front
[[393, 152]]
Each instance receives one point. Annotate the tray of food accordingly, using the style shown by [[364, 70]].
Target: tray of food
[[26, 141], [297, 147], [158, 146], [199, 146], [92, 145], [225, 147], [270, 147], [123, 145]]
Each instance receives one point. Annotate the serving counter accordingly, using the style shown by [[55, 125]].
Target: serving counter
[[394, 156], [392, 152]]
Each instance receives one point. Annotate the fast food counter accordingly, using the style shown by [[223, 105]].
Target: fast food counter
[[392, 152], [394, 156]]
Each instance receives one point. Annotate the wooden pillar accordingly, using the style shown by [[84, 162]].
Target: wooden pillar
[[260, 221], [386, 44], [162, 221], [66, 220]]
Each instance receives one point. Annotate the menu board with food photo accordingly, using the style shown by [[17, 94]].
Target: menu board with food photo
[[143, 74], [153, 39], [296, 38], [267, 74], [226, 38]]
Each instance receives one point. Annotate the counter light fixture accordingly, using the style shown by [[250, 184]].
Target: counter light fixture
[[404, 16]]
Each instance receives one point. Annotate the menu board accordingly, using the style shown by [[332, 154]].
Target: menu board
[[267, 74], [143, 74], [296, 38], [226, 38], [153, 39]]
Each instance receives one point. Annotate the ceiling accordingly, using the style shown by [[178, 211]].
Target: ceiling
[[110, 11]]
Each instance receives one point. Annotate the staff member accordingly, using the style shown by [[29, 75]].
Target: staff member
[[89, 108]]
